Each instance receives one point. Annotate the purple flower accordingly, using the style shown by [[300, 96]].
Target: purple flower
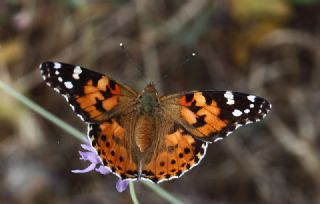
[[95, 164], [122, 185]]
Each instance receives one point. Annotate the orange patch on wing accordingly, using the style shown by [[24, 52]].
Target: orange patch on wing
[[184, 144], [123, 161], [94, 113], [90, 89], [118, 130], [161, 163], [213, 108], [103, 83], [200, 99], [188, 115], [206, 130], [215, 122], [116, 90], [172, 139], [183, 153], [189, 139], [110, 103], [173, 163], [90, 108], [183, 101], [89, 100]]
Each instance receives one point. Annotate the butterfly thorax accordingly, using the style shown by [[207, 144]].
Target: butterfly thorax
[[149, 100], [145, 126]]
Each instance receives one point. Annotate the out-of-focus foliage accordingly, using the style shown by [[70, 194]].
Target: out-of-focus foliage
[[265, 47]]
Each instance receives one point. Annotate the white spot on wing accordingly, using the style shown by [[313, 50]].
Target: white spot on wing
[[66, 97], [75, 76], [238, 125], [251, 105], [80, 116], [229, 96], [236, 113], [57, 65], [72, 107], [248, 122], [246, 111], [57, 90], [230, 102], [57, 72], [251, 98], [60, 79], [217, 139], [68, 84], [76, 71]]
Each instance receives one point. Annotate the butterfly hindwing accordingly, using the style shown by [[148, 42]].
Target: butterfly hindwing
[[178, 152], [212, 115], [110, 139], [93, 96]]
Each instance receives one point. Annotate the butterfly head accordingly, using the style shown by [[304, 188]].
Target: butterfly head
[[149, 99], [150, 88]]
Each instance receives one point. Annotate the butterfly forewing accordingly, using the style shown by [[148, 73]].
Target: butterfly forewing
[[212, 115], [93, 96]]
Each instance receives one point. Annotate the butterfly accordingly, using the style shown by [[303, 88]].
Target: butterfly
[[144, 135]]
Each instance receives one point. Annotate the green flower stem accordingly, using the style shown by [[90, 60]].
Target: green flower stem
[[78, 135], [38, 109], [133, 193]]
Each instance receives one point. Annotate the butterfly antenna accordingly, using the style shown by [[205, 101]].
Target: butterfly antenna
[[139, 68], [178, 67]]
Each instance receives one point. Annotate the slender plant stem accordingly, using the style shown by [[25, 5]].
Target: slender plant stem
[[163, 193], [78, 135], [133, 193], [38, 109]]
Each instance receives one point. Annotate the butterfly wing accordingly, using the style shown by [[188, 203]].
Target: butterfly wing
[[174, 155], [93, 96], [113, 141], [189, 121], [212, 115], [106, 105]]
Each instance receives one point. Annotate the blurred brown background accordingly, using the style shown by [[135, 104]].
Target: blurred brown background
[[269, 48]]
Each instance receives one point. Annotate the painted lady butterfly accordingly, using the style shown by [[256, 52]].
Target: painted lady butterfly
[[142, 135]]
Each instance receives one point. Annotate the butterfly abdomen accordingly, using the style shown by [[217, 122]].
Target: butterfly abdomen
[[143, 132]]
